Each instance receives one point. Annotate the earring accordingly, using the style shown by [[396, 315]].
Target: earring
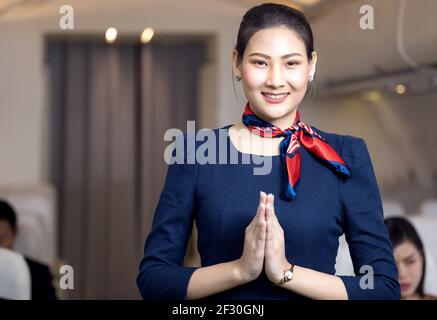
[[311, 78], [238, 78]]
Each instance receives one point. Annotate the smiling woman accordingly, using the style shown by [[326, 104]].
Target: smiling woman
[[272, 236], [275, 63]]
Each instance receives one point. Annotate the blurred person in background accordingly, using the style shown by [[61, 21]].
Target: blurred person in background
[[410, 258], [41, 278]]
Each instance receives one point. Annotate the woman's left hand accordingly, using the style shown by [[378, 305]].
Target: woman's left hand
[[275, 261]]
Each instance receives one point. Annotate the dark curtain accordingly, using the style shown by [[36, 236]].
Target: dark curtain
[[111, 105]]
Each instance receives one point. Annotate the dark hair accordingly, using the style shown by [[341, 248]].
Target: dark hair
[[270, 15], [7, 213], [401, 230]]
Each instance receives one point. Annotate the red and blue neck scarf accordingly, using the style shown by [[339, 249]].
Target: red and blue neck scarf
[[299, 134]]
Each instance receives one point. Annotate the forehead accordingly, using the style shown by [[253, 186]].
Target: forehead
[[276, 41], [405, 250]]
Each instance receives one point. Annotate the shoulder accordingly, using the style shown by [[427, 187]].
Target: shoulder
[[37, 267], [346, 145], [338, 141]]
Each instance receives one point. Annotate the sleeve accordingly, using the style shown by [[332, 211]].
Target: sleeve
[[363, 222], [162, 275]]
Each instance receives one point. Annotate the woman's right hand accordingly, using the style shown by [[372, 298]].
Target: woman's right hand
[[251, 263]]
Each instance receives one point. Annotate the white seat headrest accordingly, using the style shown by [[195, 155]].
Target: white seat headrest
[[15, 281]]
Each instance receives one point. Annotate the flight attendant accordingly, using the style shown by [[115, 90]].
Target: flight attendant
[[272, 236]]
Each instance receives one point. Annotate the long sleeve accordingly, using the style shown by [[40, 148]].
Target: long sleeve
[[368, 240], [162, 275]]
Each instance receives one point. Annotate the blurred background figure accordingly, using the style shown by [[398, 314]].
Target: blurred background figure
[[40, 277], [411, 259]]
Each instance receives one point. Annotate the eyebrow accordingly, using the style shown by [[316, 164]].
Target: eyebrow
[[410, 257], [283, 57]]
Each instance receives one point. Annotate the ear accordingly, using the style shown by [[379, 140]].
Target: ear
[[236, 65], [312, 65]]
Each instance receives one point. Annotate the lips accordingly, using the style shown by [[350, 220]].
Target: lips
[[275, 97], [405, 286]]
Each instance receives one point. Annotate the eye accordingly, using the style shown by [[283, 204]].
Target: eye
[[410, 261], [260, 63], [292, 63]]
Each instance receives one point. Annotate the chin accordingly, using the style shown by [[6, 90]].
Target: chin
[[272, 116], [278, 113], [407, 294]]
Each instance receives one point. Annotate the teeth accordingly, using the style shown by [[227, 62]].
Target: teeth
[[275, 96]]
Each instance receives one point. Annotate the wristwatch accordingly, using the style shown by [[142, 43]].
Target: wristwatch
[[288, 274]]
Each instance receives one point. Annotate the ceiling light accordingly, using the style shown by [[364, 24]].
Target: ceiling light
[[400, 88], [147, 35], [111, 35]]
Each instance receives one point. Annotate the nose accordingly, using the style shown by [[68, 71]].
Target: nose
[[275, 77], [401, 271]]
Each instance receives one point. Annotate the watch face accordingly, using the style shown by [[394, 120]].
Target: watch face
[[289, 275]]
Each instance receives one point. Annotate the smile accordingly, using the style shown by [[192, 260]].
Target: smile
[[275, 98]]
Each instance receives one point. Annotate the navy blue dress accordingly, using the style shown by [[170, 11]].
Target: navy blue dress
[[222, 199]]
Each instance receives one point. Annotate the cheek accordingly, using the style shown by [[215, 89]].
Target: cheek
[[254, 78], [416, 271], [298, 78]]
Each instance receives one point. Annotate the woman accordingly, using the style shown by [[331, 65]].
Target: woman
[[275, 235], [410, 258]]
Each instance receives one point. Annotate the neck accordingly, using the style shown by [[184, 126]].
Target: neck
[[285, 122]]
